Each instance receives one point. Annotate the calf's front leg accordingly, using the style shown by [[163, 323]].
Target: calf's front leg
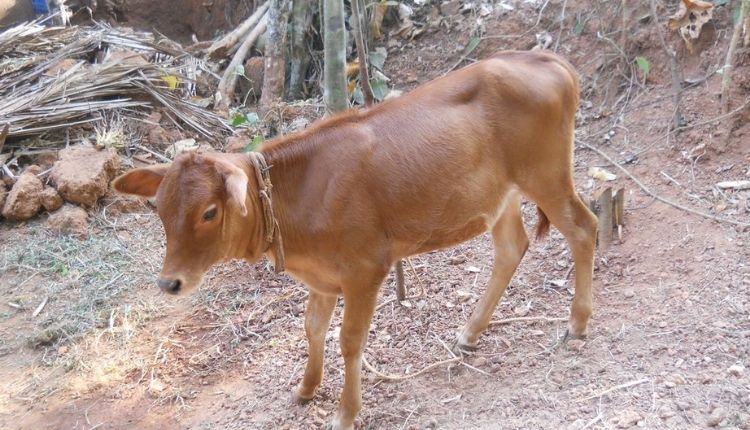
[[359, 305], [317, 319]]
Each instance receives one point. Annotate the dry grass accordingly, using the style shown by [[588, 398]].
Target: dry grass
[[83, 278]]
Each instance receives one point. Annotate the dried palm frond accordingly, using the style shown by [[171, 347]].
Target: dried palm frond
[[52, 78]]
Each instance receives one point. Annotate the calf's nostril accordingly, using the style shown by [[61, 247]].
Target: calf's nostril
[[176, 284], [171, 286]]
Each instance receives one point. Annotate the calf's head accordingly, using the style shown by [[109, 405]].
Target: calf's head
[[202, 203]]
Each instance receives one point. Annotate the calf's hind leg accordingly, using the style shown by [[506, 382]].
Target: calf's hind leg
[[578, 224], [511, 243]]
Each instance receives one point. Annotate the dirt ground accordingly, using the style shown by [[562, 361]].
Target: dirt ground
[[668, 343]]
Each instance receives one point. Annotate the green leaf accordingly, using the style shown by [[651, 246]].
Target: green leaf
[[377, 58], [643, 64], [357, 96], [238, 119], [252, 118], [379, 89], [257, 141], [578, 29], [472, 45]]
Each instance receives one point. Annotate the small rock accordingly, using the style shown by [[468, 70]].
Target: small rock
[[627, 419], [463, 296], [480, 362], [717, 416], [83, 173], [455, 261], [576, 345], [121, 204], [736, 370], [683, 405], [70, 220], [51, 199], [674, 380], [155, 387], [521, 310], [666, 412], [24, 199]]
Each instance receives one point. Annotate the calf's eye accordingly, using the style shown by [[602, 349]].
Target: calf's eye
[[209, 214]]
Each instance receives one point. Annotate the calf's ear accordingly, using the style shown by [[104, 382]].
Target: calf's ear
[[142, 181], [235, 182]]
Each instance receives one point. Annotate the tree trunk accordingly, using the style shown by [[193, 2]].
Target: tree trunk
[[364, 74], [302, 14], [334, 49], [726, 73], [275, 60]]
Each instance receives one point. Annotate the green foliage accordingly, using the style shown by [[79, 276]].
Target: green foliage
[[472, 45], [240, 118], [377, 58], [357, 96], [578, 29], [379, 89], [255, 143], [643, 64]]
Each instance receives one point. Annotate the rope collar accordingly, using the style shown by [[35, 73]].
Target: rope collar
[[272, 232]]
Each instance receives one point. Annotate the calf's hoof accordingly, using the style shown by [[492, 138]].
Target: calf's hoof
[[337, 424], [572, 336], [463, 346], [298, 398]]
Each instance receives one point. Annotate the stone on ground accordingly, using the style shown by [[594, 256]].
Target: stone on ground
[[70, 220], [83, 173], [24, 200], [51, 200]]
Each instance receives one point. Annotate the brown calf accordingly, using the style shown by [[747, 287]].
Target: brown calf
[[355, 193]]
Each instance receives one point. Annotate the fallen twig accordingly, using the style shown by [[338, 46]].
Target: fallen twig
[[39, 308], [410, 375], [658, 197], [154, 153], [615, 388], [519, 319]]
